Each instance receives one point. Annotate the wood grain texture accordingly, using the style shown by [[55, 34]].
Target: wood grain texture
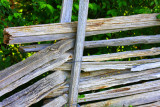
[[58, 102], [37, 72], [154, 104], [146, 66], [122, 55], [144, 39], [33, 48], [94, 27], [15, 72], [149, 39], [124, 91], [78, 52], [35, 92], [133, 100], [121, 92], [96, 66], [110, 80], [66, 11]]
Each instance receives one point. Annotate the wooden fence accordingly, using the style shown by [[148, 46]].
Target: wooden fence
[[110, 83]]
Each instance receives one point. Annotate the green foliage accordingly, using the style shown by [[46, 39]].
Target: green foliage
[[81, 96], [32, 12], [158, 16]]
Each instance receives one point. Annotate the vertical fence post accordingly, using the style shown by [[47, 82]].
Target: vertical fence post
[[66, 11], [78, 52]]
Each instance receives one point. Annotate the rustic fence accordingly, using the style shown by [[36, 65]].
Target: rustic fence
[[130, 88]]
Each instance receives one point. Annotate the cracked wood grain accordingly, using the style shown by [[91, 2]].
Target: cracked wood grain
[[148, 39], [49, 32], [122, 55], [15, 72], [35, 92], [133, 100], [37, 72], [109, 80]]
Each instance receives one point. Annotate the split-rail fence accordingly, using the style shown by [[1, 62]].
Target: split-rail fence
[[103, 83]]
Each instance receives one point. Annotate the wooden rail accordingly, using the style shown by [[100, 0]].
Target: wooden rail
[[148, 39], [49, 32], [109, 83]]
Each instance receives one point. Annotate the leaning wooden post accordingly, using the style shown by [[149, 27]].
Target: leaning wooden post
[[78, 52], [66, 11]]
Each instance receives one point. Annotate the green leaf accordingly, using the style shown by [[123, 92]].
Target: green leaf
[[81, 96], [76, 6], [156, 2], [51, 9], [16, 15], [10, 18], [112, 12], [158, 16]]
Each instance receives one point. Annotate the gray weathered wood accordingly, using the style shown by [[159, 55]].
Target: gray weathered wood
[[121, 55], [58, 102], [35, 92], [47, 32], [46, 67], [133, 100], [120, 92], [33, 48], [102, 43], [148, 39], [15, 72], [78, 53], [94, 66], [110, 80], [155, 104], [146, 66], [66, 11], [124, 91]]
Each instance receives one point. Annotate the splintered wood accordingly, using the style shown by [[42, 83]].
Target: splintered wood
[[49, 32], [103, 83], [149, 39], [33, 64]]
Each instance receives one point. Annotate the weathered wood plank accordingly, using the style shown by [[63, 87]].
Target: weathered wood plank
[[46, 67], [33, 48], [146, 66], [106, 81], [78, 52], [22, 68], [64, 89], [31, 39], [120, 92], [98, 26], [102, 43], [155, 104], [66, 11], [35, 92], [58, 102], [148, 39], [133, 100], [94, 66], [121, 55], [124, 91]]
